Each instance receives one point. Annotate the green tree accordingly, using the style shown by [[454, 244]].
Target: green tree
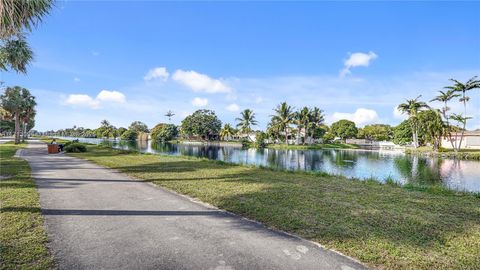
[[411, 107], [18, 101], [402, 134], [302, 120], [128, 135], [138, 126], [227, 132], [164, 132], [246, 121], [315, 123], [260, 139], [283, 118], [344, 129], [431, 127], [120, 131], [15, 17], [463, 88], [202, 123], [378, 132]]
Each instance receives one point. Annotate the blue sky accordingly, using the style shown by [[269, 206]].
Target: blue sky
[[127, 61]]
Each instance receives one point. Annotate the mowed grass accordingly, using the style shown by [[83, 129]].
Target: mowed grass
[[384, 226], [22, 236]]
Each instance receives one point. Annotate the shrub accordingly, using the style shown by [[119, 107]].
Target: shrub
[[164, 132], [75, 147], [260, 139], [129, 135]]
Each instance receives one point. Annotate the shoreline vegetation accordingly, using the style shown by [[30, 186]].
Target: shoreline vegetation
[[386, 226], [22, 235]]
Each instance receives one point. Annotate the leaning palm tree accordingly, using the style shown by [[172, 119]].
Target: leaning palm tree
[[445, 97], [411, 107], [463, 88], [283, 118], [246, 121], [227, 132]]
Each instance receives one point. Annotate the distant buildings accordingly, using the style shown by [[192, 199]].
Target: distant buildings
[[471, 140]]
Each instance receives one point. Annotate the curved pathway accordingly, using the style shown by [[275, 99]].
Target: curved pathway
[[97, 218]]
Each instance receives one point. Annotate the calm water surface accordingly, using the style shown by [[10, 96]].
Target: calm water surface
[[454, 174]]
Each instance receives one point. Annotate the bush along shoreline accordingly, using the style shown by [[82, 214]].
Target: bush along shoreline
[[463, 155]]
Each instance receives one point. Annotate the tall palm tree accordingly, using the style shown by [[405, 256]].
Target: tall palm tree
[[445, 97], [463, 88], [283, 118], [411, 107], [169, 114], [15, 100], [246, 121], [28, 111], [316, 119], [15, 54], [227, 132], [302, 120]]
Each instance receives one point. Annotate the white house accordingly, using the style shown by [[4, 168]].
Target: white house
[[471, 140]]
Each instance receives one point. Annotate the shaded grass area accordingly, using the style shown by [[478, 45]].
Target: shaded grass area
[[315, 146], [385, 226], [22, 235]]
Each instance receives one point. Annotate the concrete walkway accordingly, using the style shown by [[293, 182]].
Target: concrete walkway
[[100, 219]]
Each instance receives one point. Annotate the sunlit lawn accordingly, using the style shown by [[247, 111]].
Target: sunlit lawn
[[22, 236], [384, 226]]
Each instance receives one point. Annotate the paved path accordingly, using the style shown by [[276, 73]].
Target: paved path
[[100, 219]]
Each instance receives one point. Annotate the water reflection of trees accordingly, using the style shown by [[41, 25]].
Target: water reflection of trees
[[420, 171]]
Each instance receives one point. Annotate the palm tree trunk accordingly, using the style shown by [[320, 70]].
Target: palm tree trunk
[[17, 128], [306, 135], [464, 122], [286, 135]]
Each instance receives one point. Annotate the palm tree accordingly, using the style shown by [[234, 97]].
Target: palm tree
[[316, 119], [227, 132], [16, 16], [28, 111], [283, 118], [411, 107], [169, 114], [445, 97], [15, 100], [463, 88], [246, 121], [15, 54], [302, 120]]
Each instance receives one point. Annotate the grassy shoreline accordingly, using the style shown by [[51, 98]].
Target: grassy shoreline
[[22, 236], [464, 154], [385, 226]]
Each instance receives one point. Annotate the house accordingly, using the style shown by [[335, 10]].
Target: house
[[471, 140]]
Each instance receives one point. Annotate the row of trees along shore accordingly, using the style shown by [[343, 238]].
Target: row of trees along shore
[[17, 105], [425, 125]]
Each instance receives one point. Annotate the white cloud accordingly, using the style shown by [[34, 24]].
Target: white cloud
[[76, 79], [361, 116], [104, 97], [258, 100], [82, 100], [357, 59], [233, 107], [158, 72], [200, 82], [199, 102], [111, 96]]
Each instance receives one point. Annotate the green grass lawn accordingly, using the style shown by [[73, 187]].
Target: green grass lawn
[[384, 226], [468, 154], [22, 235]]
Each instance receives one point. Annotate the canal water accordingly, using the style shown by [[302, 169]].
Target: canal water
[[381, 165]]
